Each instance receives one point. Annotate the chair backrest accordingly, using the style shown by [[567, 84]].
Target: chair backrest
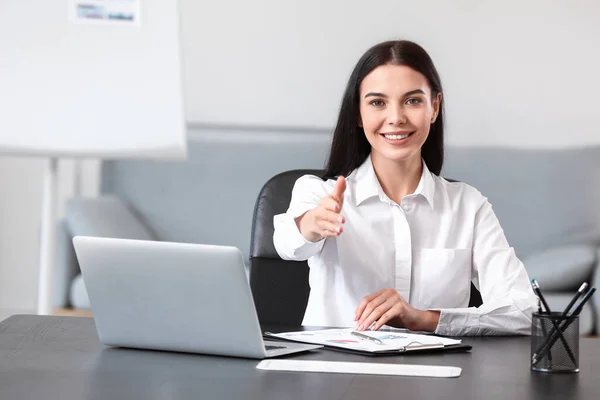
[[279, 287]]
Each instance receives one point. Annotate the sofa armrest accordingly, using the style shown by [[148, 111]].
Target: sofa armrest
[[106, 216], [66, 267], [562, 268]]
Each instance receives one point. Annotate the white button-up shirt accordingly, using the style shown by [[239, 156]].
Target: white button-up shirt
[[429, 248]]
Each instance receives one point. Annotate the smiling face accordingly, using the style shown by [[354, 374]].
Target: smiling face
[[396, 112]]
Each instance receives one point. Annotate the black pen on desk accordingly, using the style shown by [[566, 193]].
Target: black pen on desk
[[362, 335], [538, 292]]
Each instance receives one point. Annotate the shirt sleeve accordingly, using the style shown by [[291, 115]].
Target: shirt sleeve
[[289, 242], [508, 299]]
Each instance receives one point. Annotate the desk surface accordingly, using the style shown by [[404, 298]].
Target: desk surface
[[44, 357]]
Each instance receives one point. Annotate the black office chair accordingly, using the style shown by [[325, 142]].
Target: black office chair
[[279, 287]]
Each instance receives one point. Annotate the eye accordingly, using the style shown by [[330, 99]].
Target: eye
[[377, 103], [413, 101]]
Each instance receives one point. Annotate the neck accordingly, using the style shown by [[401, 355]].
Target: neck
[[398, 178]]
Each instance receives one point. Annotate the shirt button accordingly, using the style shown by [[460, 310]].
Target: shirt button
[[407, 207]]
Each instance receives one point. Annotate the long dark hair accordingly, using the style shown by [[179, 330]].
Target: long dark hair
[[349, 146]]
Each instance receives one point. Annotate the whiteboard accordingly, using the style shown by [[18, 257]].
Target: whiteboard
[[73, 88], [514, 72]]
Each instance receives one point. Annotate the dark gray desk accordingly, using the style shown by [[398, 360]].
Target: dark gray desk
[[61, 358]]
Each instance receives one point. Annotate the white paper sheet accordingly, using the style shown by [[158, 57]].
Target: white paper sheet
[[435, 371]]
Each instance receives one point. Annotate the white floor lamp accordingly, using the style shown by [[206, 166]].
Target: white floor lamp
[[47, 238], [88, 88]]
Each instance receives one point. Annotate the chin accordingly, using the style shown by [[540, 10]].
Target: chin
[[398, 155]]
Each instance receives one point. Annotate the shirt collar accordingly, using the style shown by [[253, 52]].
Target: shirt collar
[[367, 184], [426, 187]]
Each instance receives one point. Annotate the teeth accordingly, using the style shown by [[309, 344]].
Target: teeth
[[396, 137]]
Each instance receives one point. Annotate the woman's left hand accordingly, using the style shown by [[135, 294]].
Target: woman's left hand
[[386, 306]]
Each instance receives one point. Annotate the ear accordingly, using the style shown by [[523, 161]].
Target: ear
[[360, 124], [436, 107]]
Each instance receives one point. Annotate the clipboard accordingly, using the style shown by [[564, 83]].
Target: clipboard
[[452, 348], [391, 343]]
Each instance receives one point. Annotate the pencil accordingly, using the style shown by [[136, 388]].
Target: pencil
[[363, 336]]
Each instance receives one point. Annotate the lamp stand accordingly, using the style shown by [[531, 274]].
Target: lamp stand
[[47, 238]]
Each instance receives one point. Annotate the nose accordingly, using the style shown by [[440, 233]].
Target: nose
[[396, 115]]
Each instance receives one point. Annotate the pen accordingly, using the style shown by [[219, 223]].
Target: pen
[[538, 292], [536, 288], [582, 288], [584, 300], [363, 336]]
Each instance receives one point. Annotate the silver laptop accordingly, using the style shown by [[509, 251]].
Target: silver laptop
[[173, 296]]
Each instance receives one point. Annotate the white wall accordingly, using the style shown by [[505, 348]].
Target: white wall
[[517, 73]]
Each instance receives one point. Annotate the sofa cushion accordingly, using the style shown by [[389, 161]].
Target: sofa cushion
[[562, 268]]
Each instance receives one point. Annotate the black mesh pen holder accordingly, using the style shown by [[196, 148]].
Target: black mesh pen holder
[[554, 342]]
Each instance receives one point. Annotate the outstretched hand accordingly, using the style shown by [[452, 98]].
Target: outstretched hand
[[326, 219], [338, 191]]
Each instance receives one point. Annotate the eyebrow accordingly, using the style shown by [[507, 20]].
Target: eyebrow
[[375, 94]]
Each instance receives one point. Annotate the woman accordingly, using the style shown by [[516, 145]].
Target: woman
[[390, 241]]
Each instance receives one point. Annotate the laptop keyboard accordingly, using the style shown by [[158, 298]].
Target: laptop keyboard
[[269, 347]]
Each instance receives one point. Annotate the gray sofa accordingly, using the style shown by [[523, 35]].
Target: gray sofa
[[548, 202]]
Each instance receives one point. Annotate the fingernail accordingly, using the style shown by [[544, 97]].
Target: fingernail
[[340, 219]]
